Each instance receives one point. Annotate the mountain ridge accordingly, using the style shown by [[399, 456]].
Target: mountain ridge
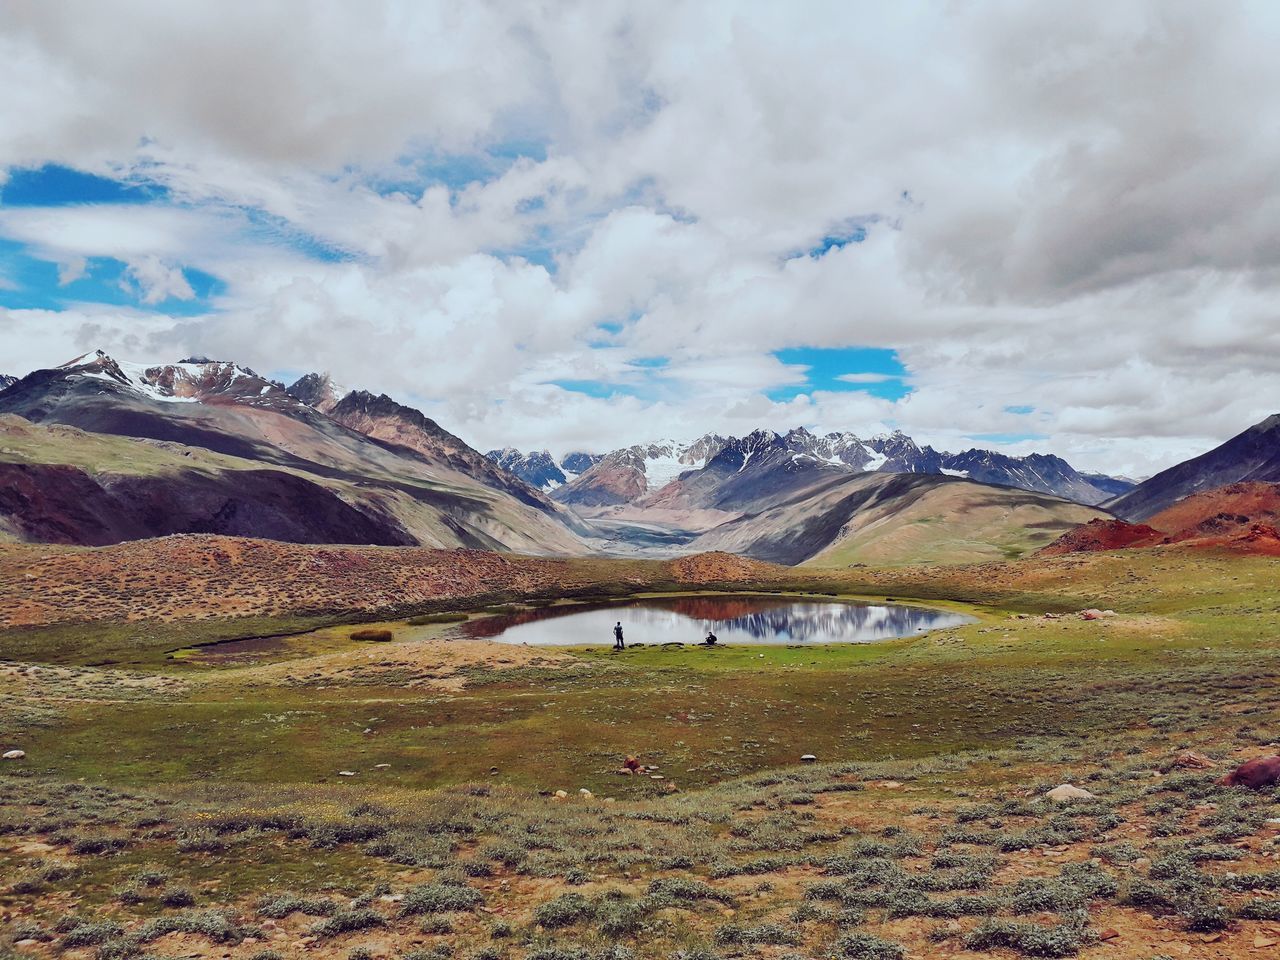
[[632, 474]]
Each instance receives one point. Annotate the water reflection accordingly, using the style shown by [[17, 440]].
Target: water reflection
[[732, 619]]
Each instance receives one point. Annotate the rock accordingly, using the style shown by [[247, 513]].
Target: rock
[[624, 772], [1190, 760], [1066, 792], [808, 758], [610, 800], [1254, 774], [346, 773], [585, 794], [561, 794], [14, 754], [1109, 934], [891, 785], [1259, 941], [656, 776], [381, 766]]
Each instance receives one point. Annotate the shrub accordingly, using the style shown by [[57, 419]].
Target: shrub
[[866, 946], [673, 890], [439, 898], [280, 905], [1257, 909], [178, 897], [208, 923], [347, 921], [1030, 939], [563, 911], [736, 935], [91, 934], [429, 618], [371, 635]]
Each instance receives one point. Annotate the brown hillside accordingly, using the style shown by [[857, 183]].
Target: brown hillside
[[1237, 505], [1104, 535], [1241, 517], [201, 577]]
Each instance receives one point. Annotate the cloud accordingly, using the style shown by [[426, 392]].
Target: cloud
[[865, 377], [1070, 208]]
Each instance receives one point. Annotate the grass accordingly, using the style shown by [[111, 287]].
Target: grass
[[204, 802]]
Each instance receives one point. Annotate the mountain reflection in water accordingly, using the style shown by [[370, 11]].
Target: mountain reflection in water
[[732, 619]]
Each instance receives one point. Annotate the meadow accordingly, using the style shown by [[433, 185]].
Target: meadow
[[424, 796]]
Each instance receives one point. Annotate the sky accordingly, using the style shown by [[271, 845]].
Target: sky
[[1027, 225]]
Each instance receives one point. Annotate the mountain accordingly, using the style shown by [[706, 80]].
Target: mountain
[[212, 447], [888, 518], [7, 381], [1251, 455], [1240, 516], [540, 470], [1044, 473], [636, 474], [317, 390], [628, 474]]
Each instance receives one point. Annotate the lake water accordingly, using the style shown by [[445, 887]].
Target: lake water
[[734, 620]]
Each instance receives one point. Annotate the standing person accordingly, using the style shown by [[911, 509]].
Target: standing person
[[617, 637]]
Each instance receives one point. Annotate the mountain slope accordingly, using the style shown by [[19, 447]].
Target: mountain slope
[[7, 381], [899, 518], [424, 484], [1251, 455]]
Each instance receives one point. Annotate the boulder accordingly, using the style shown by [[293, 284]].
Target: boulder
[[14, 754], [1066, 792], [585, 794], [1190, 760], [561, 794], [808, 758], [346, 773], [1254, 774]]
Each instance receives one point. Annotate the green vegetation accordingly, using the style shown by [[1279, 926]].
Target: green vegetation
[[205, 799]]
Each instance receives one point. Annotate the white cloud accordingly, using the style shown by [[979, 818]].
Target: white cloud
[[866, 377], [1073, 208]]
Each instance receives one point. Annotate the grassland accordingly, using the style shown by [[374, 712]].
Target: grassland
[[197, 805]]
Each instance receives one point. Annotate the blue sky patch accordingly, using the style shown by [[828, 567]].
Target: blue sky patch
[[33, 284], [57, 186], [1021, 410], [873, 370], [595, 388]]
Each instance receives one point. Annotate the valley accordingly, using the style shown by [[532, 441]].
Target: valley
[[270, 686]]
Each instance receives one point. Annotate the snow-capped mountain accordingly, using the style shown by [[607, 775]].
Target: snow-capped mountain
[[625, 475], [318, 390], [633, 473], [541, 470], [193, 380]]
